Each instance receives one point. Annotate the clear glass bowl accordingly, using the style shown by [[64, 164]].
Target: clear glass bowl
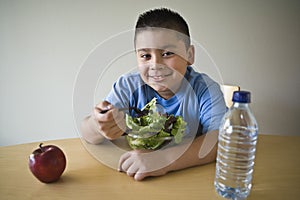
[[151, 143]]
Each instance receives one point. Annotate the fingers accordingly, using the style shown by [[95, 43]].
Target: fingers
[[128, 164], [111, 124], [102, 107], [112, 113], [110, 132], [103, 116], [123, 158], [140, 176]]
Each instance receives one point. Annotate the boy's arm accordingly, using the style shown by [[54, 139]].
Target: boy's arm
[[90, 131], [201, 151]]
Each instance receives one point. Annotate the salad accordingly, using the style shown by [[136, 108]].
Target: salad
[[164, 127]]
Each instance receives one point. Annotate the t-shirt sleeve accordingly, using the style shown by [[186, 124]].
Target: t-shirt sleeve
[[213, 108], [119, 95], [122, 92]]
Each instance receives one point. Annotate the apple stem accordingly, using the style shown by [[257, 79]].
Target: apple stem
[[41, 147]]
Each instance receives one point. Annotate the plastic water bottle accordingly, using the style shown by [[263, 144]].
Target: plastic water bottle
[[236, 149]]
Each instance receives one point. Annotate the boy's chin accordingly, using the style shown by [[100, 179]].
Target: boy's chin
[[160, 88]]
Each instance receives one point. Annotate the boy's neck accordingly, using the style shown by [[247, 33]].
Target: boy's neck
[[166, 95]]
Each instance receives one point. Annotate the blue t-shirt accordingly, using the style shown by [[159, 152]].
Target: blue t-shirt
[[199, 99]]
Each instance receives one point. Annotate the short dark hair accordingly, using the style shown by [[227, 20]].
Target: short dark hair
[[164, 18]]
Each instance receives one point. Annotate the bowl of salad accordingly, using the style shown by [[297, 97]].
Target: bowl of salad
[[153, 130]]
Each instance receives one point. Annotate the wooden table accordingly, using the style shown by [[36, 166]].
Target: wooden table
[[276, 175]]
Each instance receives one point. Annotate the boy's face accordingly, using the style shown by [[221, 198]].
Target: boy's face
[[162, 59]]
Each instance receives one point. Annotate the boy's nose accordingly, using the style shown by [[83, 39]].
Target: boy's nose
[[157, 66], [156, 63]]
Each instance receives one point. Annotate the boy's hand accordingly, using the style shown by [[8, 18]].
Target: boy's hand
[[111, 124], [141, 164]]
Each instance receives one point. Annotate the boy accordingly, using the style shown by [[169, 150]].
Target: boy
[[164, 55]]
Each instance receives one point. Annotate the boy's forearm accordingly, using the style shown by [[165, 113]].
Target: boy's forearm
[[191, 157], [90, 132]]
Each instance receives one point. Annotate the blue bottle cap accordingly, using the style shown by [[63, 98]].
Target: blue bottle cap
[[241, 97]]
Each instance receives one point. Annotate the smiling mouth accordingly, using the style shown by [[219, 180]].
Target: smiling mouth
[[159, 77]]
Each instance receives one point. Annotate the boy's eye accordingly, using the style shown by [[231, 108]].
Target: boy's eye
[[146, 56], [168, 53]]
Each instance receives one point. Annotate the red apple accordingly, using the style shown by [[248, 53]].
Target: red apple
[[47, 163]]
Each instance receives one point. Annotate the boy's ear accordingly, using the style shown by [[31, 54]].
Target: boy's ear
[[191, 55]]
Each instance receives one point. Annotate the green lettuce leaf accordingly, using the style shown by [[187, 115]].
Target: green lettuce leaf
[[154, 122]]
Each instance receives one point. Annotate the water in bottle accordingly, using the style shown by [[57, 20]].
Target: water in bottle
[[236, 149]]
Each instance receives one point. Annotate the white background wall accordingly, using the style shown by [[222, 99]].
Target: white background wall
[[254, 43]]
